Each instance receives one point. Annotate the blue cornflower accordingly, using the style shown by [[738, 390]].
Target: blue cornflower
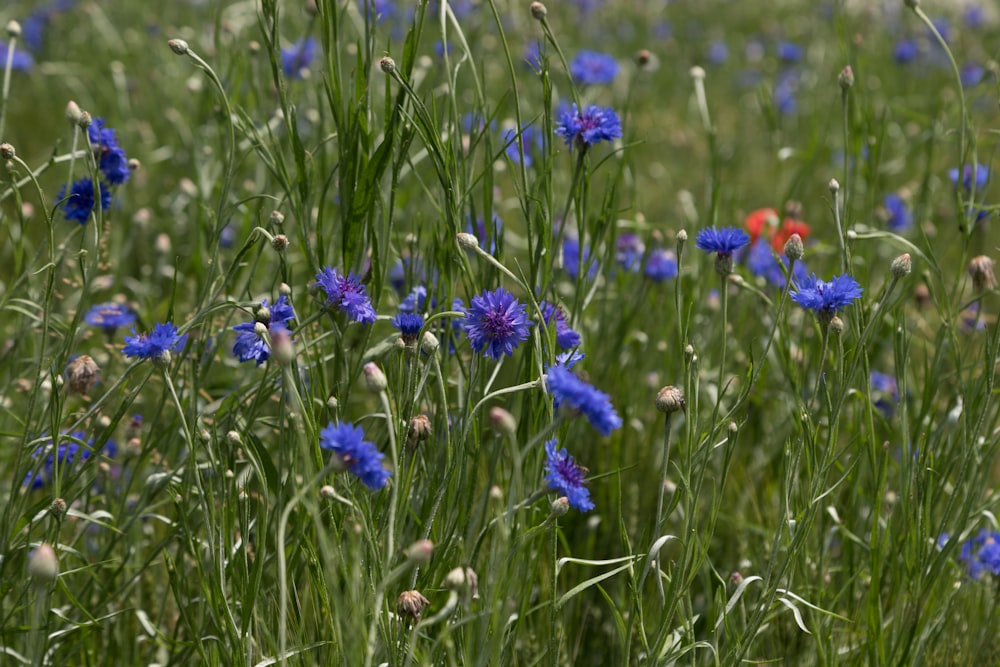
[[409, 325], [629, 249], [162, 341], [972, 74], [885, 392], [571, 258], [570, 358], [346, 293], [377, 10], [569, 390], [355, 454], [20, 61], [66, 454], [414, 301], [496, 323], [591, 68], [981, 554], [789, 52], [718, 53], [897, 214], [826, 298], [566, 477], [974, 16], [762, 262], [250, 344], [566, 338], [972, 172], [906, 51], [533, 56], [661, 265], [523, 147], [111, 158], [80, 202], [785, 91], [591, 126], [723, 241], [298, 57], [109, 316], [487, 240]]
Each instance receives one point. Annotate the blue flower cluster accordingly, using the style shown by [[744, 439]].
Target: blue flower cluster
[[569, 390], [347, 294], [67, 454], [164, 339], [79, 200], [355, 454]]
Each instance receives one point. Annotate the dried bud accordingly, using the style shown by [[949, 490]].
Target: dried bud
[[410, 604], [387, 64], [981, 272], [420, 552], [538, 11], [178, 46], [503, 422], [462, 580], [43, 565], [836, 325], [901, 266], [82, 373], [846, 78], [670, 399], [7, 152], [374, 378], [467, 241], [58, 508], [794, 248], [419, 430], [280, 243]]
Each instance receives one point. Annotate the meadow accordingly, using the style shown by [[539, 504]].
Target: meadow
[[482, 332]]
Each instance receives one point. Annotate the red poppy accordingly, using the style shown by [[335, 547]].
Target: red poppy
[[757, 222], [789, 226]]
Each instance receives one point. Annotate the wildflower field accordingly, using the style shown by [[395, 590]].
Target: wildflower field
[[481, 332]]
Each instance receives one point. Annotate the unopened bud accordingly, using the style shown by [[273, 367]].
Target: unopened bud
[[981, 272], [503, 422], [58, 508], [276, 218], [538, 11], [846, 78], [13, 29], [84, 121], [836, 325], [282, 347], [794, 249], [374, 378], [420, 552], [178, 46], [834, 186], [429, 343], [670, 399], [559, 507], [7, 152], [387, 64], [234, 438], [82, 373], [467, 241], [43, 565], [643, 58], [901, 266], [327, 492], [280, 243], [697, 73], [410, 604], [134, 164], [73, 112]]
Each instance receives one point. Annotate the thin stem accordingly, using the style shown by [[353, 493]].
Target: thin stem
[[8, 67]]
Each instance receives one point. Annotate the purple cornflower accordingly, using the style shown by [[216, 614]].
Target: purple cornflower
[[566, 338], [297, 57], [496, 323], [629, 249], [156, 345], [591, 126], [981, 554], [355, 454], [109, 316], [20, 61], [826, 298], [591, 68], [569, 390], [346, 293], [661, 265], [250, 343], [409, 325], [897, 214], [571, 258], [111, 158], [566, 477], [906, 51], [79, 203], [723, 241], [972, 172]]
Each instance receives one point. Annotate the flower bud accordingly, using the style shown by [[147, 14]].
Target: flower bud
[[901, 266], [276, 219], [13, 29], [43, 565], [697, 73], [387, 64], [846, 78], [7, 152], [84, 121], [374, 378], [559, 507], [420, 552], [794, 249], [280, 243], [836, 325], [981, 272], [178, 46], [834, 186], [327, 492], [58, 508], [282, 348], [467, 241], [73, 112], [670, 399], [234, 438], [503, 422], [538, 11], [410, 604], [429, 343]]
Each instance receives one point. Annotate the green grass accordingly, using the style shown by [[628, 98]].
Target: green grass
[[790, 513]]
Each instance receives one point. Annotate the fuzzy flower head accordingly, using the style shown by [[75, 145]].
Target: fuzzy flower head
[[79, 203], [569, 390], [255, 338], [826, 298], [723, 242], [346, 293], [566, 477], [496, 323], [591, 68], [355, 454], [156, 345], [109, 316], [588, 127]]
